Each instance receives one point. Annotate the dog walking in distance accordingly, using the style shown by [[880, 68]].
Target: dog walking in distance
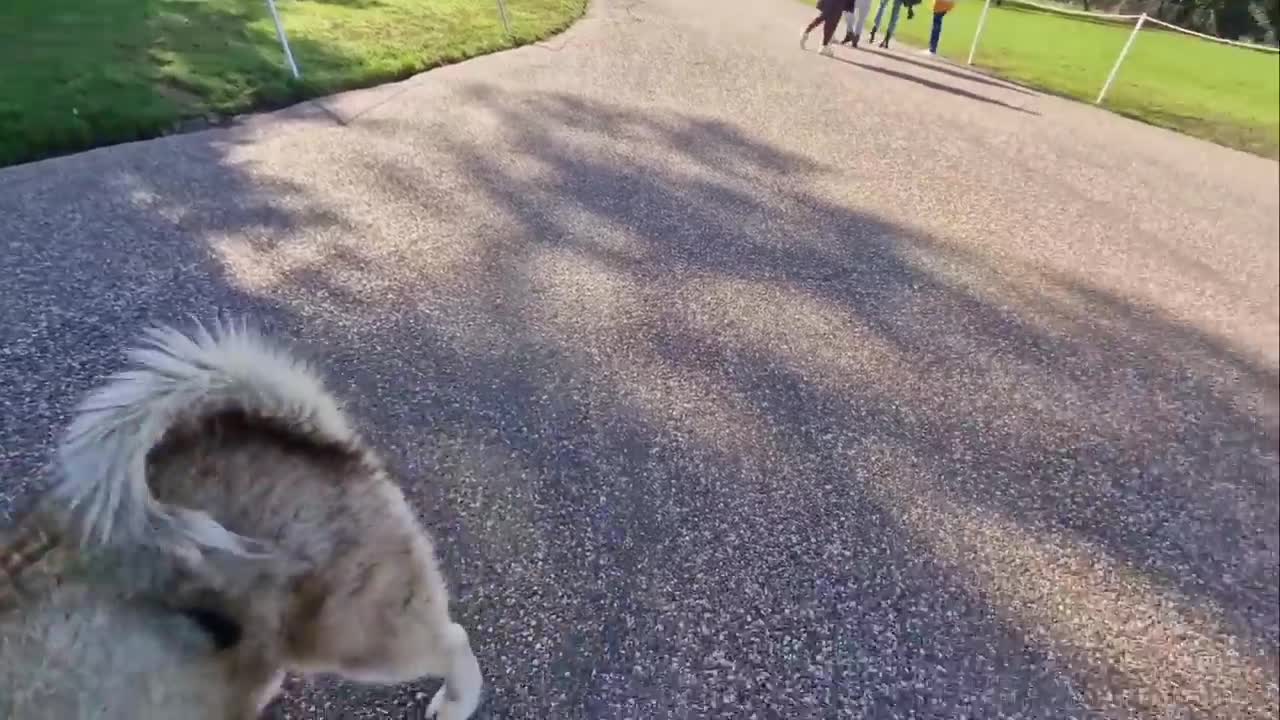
[[215, 523]]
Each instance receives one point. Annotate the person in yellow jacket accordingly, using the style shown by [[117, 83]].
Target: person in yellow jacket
[[940, 9]]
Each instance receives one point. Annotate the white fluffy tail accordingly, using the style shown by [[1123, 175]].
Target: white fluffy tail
[[175, 378]]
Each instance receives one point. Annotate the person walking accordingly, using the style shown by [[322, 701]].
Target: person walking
[[940, 9], [855, 19], [829, 12], [893, 21]]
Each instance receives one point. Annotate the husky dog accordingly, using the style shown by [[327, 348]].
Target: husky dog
[[216, 506]]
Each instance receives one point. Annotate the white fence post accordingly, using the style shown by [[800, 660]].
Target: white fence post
[[284, 39], [982, 20], [506, 20], [1123, 53]]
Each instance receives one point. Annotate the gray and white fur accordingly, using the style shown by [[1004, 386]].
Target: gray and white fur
[[220, 467], [177, 378]]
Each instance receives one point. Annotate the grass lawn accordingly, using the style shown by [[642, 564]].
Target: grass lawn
[[1225, 94], [80, 73]]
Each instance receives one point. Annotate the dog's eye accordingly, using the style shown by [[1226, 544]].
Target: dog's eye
[[223, 629]]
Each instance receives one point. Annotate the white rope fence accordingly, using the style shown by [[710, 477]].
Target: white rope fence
[[1222, 41], [284, 40], [1124, 53], [1141, 18], [506, 18], [293, 66]]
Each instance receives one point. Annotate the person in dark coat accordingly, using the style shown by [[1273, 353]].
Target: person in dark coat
[[829, 12]]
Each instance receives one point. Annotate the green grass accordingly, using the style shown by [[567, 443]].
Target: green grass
[[1220, 93], [76, 74]]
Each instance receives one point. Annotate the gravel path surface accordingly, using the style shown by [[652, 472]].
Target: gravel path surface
[[738, 382]]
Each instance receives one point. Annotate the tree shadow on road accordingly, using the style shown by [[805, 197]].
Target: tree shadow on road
[[698, 439], [84, 270], [719, 388]]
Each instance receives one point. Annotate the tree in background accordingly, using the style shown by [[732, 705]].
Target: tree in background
[[1232, 19], [1267, 15], [1249, 20]]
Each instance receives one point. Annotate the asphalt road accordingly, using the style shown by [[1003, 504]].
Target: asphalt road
[[735, 381]]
